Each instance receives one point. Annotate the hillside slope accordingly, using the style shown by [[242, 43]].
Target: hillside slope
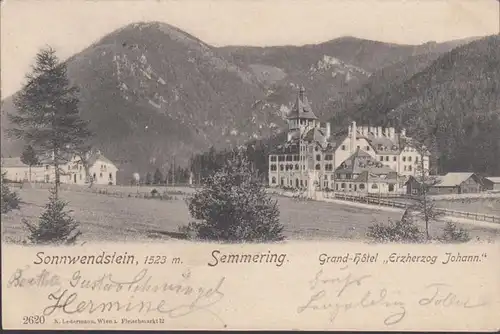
[[155, 94], [455, 100]]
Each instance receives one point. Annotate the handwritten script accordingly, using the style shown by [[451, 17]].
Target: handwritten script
[[348, 292], [172, 299]]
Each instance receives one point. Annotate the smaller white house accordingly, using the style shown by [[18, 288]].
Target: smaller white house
[[101, 169], [16, 170], [494, 183]]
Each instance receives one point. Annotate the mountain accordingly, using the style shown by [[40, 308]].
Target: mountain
[[153, 92], [156, 95], [455, 100]]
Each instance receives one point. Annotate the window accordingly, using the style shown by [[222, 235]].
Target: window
[[273, 167], [362, 186], [318, 157], [273, 158], [301, 183], [336, 186], [381, 158], [342, 186], [289, 158], [100, 174], [350, 186], [295, 158], [296, 167], [281, 158], [282, 167], [416, 160], [409, 159], [404, 168], [329, 167], [358, 147], [404, 158], [110, 176], [368, 148], [329, 157], [46, 167], [394, 158], [318, 166], [326, 177], [305, 183], [387, 158], [409, 168], [374, 186], [94, 176], [348, 176], [316, 148], [343, 147]]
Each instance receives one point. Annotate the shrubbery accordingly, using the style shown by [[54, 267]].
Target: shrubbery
[[402, 231], [406, 231], [453, 234], [233, 206], [9, 200]]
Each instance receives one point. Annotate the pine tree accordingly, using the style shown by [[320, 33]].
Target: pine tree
[[29, 157], [9, 200], [47, 115], [149, 178], [55, 225], [158, 177], [233, 206]]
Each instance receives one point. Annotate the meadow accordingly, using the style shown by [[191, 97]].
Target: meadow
[[123, 217]]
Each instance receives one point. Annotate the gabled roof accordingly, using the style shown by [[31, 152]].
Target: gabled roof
[[315, 135], [383, 145], [301, 108], [98, 156], [452, 179], [494, 179], [361, 161]]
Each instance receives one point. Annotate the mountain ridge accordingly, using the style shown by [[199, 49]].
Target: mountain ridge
[[154, 93]]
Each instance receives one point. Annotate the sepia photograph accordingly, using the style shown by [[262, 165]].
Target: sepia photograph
[[249, 124]]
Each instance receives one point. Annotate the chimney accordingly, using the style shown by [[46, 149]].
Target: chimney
[[386, 132], [392, 133], [379, 131], [372, 129], [403, 132], [353, 137], [328, 130]]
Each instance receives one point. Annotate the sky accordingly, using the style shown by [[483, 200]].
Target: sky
[[71, 25]]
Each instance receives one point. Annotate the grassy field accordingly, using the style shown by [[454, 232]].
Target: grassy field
[[110, 218]]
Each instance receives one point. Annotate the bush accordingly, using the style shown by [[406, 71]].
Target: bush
[[55, 225], [454, 234], [9, 200], [404, 231], [233, 206]]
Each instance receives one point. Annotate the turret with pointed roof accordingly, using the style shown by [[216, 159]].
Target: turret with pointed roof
[[301, 118], [302, 108]]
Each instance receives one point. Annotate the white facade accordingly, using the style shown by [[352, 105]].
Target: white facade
[[101, 169], [312, 154]]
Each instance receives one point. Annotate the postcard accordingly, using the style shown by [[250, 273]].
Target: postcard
[[234, 165]]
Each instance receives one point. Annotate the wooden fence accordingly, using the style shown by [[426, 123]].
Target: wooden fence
[[375, 200]]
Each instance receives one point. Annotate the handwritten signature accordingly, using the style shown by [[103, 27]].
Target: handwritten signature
[[197, 298], [348, 292]]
